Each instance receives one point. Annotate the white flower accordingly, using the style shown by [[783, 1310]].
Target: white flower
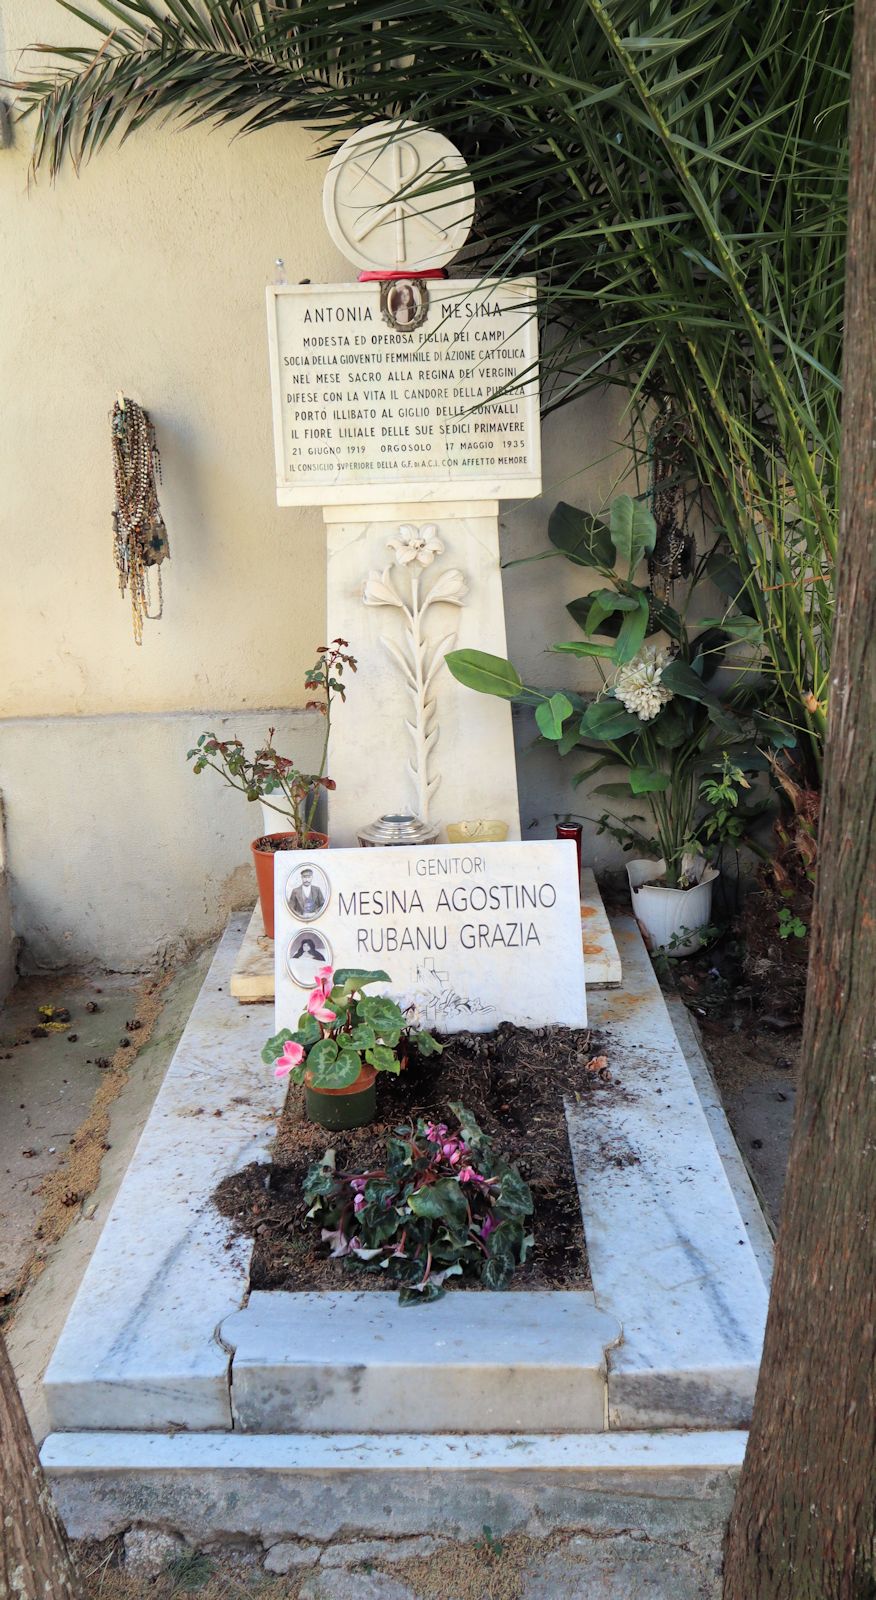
[[450, 587], [378, 590], [416, 544], [638, 685]]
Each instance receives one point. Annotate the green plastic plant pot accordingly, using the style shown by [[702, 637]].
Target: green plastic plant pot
[[343, 1108]]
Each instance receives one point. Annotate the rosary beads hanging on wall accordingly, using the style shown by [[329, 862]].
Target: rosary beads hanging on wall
[[139, 534]]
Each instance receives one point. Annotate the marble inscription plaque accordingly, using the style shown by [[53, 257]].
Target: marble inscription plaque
[[365, 411], [469, 937]]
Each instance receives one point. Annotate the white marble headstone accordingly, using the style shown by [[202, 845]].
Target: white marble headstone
[[470, 937], [367, 413]]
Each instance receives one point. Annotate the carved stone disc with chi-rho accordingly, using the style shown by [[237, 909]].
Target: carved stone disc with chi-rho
[[375, 206]]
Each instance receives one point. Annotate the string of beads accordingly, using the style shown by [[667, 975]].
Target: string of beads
[[139, 534]]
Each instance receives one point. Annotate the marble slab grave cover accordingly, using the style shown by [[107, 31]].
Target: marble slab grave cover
[[670, 1257], [669, 1252], [139, 1348]]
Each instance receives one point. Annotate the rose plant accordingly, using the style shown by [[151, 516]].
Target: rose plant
[[442, 1205], [662, 715], [340, 1029], [274, 779]]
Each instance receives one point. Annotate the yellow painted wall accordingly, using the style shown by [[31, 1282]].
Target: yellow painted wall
[[147, 274]]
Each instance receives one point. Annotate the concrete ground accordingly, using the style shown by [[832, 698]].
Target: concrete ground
[[48, 1081], [47, 1088], [626, 1566], [761, 1113], [48, 1085], [756, 1072]]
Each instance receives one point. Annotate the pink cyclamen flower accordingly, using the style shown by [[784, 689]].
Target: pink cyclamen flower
[[317, 1007], [436, 1131], [325, 975], [489, 1226], [293, 1055], [468, 1175], [359, 1203]]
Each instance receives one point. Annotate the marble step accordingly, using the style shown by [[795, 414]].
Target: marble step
[[670, 1253], [481, 1363], [321, 1486]]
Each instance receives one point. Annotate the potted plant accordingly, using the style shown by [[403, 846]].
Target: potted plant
[[343, 1039], [276, 781], [660, 716]]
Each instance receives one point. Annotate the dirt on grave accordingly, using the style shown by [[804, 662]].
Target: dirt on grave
[[513, 1080]]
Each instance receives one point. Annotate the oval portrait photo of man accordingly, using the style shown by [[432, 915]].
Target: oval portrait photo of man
[[307, 893], [306, 952]]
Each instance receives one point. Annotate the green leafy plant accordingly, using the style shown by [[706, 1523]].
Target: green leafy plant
[[720, 791], [676, 178], [489, 1543], [442, 1205], [790, 925], [663, 716], [341, 1029], [725, 822], [272, 778], [190, 1571]]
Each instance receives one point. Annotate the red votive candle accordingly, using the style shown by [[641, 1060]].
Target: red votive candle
[[572, 830]]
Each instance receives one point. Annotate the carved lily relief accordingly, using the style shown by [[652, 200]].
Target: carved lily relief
[[420, 654]]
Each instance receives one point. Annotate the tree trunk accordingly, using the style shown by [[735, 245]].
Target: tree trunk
[[34, 1557], [803, 1523]]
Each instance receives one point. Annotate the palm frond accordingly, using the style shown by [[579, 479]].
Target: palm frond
[[674, 171]]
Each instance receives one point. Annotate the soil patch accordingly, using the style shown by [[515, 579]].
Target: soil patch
[[513, 1081], [774, 965], [746, 996], [79, 1174], [750, 1027]]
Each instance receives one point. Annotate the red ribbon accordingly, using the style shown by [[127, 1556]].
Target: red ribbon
[[382, 277]]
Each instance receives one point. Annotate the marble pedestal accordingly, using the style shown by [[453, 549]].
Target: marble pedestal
[[409, 737]]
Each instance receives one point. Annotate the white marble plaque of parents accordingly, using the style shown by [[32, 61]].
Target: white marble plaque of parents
[[376, 400], [469, 937]]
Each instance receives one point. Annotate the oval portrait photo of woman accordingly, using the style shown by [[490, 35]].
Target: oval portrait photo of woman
[[305, 954]]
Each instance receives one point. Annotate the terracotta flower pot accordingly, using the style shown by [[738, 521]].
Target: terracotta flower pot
[[264, 851], [343, 1108]]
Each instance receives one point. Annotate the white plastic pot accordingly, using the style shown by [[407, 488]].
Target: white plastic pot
[[670, 919], [273, 820]]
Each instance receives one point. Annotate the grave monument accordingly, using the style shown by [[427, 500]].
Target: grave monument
[[406, 405], [180, 1396]]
